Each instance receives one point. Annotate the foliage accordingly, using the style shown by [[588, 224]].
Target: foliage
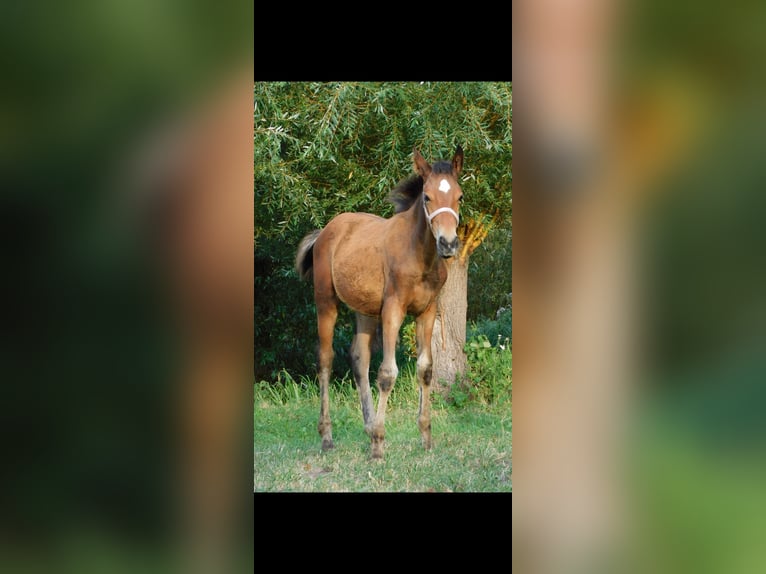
[[498, 331], [490, 273], [488, 379], [409, 340], [324, 148]]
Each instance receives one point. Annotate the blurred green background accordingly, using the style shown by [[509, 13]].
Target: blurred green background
[[88, 353]]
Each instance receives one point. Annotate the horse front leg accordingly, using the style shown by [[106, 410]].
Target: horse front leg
[[424, 325], [392, 317]]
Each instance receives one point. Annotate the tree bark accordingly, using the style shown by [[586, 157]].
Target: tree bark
[[448, 338]]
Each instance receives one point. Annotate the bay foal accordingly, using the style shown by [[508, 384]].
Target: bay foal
[[384, 269]]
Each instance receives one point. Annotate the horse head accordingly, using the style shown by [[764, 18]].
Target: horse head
[[441, 199]]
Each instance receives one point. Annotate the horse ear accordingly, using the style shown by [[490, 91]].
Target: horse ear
[[457, 161], [422, 167]]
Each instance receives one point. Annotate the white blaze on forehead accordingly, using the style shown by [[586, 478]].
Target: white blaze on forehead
[[444, 186]]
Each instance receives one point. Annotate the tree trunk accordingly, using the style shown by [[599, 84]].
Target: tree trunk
[[448, 338]]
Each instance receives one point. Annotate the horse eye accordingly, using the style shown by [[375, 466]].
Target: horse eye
[[426, 198], [460, 199]]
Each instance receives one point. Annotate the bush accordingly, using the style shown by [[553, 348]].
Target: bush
[[495, 330], [489, 376], [490, 275]]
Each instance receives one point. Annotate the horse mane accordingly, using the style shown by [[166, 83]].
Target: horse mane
[[408, 190]]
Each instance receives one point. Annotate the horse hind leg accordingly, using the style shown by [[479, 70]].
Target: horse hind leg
[[361, 351], [327, 314]]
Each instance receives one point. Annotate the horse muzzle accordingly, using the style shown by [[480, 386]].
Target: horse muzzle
[[446, 248]]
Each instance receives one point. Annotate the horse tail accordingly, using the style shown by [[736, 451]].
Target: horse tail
[[304, 260]]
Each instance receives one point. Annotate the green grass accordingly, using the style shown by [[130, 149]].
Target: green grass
[[471, 444]]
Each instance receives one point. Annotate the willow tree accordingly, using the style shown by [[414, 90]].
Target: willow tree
[[324, 148]]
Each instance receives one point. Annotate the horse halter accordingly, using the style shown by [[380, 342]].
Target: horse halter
[[430, 216]]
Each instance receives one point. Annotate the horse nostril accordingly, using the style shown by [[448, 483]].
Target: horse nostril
[[448, 245]]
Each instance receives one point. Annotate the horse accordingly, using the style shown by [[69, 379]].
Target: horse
[[384, 269]]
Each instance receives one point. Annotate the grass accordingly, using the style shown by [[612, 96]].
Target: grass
[[471, 444]]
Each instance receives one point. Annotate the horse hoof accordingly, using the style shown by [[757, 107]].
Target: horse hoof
[[327, 444], [377, 447]]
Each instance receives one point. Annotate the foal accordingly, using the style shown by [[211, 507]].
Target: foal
[[385, 269]]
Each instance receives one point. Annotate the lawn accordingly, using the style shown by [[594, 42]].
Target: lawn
[[471, 444]]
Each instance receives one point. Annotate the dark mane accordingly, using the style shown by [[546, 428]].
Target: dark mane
[[442, 167], [405, 194]]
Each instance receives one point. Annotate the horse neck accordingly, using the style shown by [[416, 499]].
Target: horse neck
[[423, 238]]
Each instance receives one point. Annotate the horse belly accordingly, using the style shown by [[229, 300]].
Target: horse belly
[[359, 282]]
